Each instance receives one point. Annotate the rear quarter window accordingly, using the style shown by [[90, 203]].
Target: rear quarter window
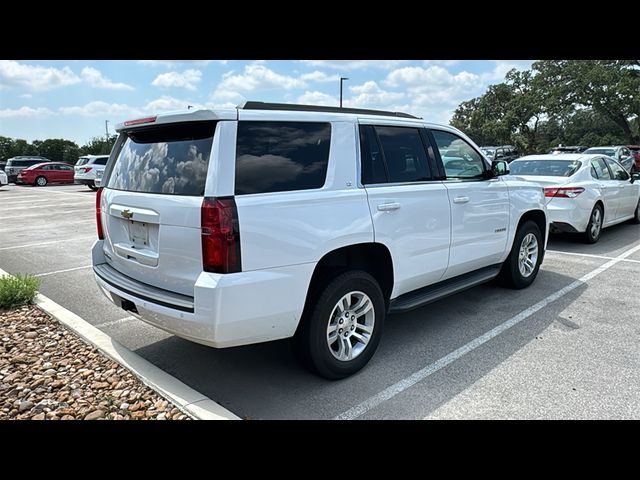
[[281, 156]]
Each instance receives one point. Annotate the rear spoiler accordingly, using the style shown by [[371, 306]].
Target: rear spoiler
[[175, 117]]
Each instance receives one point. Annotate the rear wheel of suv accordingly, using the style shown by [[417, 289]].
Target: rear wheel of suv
[[41, 181], [521, 267], [343, 326], [93, 187]]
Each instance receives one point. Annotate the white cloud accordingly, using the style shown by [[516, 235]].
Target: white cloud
[[318, 98], [319, 76], [503, 66], [177, 63], [35, 77], [354, 64], [254, 77], [100, 108], [187, 79], [26, 95], [167, 103], [370, 95], [25, 112], [95, 78]]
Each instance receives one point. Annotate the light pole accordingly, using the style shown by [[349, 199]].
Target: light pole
[[342, 79], [106, 129]]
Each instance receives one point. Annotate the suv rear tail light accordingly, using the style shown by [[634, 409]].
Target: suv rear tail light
[[220, 235], [567, 192], [86, 169], [99, 214]]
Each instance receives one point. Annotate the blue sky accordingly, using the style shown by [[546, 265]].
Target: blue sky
[[73, 98]]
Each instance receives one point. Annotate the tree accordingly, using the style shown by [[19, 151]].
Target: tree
[[99, 146], [56, 149], [611, 88]]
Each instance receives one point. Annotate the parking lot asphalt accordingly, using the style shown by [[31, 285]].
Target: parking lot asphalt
[[567, 347]]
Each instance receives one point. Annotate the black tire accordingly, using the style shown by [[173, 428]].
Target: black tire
[[40, 182], [636, 215], [93, 187], [310, 342], [510, 274], [589, 236]]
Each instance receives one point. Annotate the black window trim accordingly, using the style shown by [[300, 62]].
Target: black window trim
[[487, 171], [430, 162]]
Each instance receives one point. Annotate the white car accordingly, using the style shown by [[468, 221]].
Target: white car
[[3, 178], [86, 169], [585, 193], [232, 227]]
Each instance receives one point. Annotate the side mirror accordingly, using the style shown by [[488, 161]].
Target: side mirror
[[499, 167], [635, 176]]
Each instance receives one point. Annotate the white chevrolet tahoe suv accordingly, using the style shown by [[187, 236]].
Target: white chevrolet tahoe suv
[[232, 227]]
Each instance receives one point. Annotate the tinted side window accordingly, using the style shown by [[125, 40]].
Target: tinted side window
[[601, 169], [460, 160], [281, 156], [619, 173], [404, 154], [373, 168], [101, 161]]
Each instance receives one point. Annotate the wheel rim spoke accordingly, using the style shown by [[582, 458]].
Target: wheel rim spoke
[[350, 338]]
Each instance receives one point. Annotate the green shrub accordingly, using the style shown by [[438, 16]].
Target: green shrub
[[17, 290]]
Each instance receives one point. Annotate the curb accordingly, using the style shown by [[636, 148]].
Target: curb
[[185, 398]]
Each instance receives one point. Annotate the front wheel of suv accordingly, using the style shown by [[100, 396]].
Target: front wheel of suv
[[343, 326], [521, 266]]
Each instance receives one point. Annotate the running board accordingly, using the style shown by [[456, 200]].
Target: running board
[[431, 293]]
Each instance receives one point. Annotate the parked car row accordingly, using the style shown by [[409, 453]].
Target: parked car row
[[585, 192], [39, 171]]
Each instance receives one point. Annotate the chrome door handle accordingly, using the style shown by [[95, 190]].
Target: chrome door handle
[[387, 207], [460, 199]]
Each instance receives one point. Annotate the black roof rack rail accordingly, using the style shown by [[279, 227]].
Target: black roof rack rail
[[249, 105]]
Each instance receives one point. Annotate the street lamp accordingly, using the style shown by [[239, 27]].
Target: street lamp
[[342, 79]]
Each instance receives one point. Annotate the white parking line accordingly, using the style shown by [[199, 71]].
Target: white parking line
[[115, 322], [62, 271], [29, 245], [589, 255], [420, 375], [10, 207], [88, 210]]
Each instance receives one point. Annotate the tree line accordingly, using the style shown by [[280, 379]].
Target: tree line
[[569, 102], [55, 149]]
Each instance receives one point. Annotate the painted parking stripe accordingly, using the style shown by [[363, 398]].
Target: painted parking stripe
[[115, 322], [420, 375], [589, 255], [62, 271], [29, 245], [10, 207], [87, 210]]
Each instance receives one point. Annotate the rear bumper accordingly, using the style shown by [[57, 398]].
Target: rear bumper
[[225, 310], [84, 181], [568, 215]]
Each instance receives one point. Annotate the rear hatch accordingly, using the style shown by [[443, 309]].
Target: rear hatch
[[151, 203]]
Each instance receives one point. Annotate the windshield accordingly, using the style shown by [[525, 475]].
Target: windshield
[[546, 168], [170, 159], [602, 151], [82, 161]]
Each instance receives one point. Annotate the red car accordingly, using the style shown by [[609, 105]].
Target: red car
[[49, 172], [635, 151]]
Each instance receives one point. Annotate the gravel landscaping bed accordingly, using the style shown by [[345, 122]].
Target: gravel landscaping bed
[[46, 372]]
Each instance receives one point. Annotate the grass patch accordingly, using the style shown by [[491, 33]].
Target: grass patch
[[17, 290]]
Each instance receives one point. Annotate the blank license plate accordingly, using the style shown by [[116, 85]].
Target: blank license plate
[[138, 233]]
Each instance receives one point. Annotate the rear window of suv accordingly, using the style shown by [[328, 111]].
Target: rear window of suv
[[167, 159], [281, 156]]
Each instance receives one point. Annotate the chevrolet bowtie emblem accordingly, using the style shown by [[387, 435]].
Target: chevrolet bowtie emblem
[[128, 214]]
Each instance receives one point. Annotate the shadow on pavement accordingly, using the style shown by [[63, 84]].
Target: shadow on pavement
[[265, 381]]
